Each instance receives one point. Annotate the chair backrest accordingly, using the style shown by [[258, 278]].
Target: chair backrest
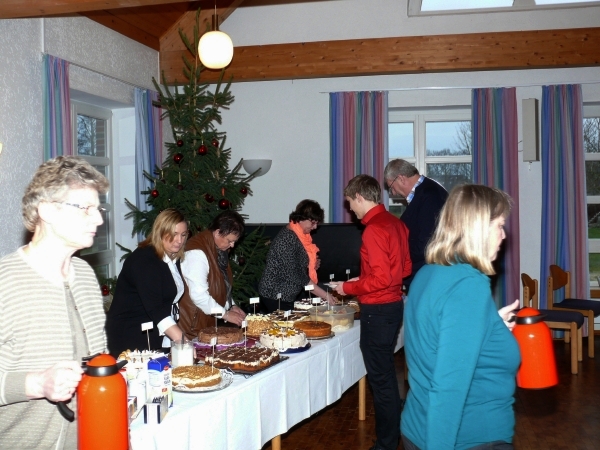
[[558, 279], [530, 291]]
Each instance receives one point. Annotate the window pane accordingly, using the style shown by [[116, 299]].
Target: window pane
[[450, 174], [450, 5], [397, 207], [401, 140], [592, 177], [104, 171], [91, 136], [593, 213], [591, 134], [101, 271], [102, 240], [448, 138], [595, 267]]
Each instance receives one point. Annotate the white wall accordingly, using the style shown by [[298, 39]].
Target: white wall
[[82, 42]]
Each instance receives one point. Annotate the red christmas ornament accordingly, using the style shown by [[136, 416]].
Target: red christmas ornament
[[154, 193], [105, 290], [244, 191], [202, 150], [224, 203], [177, 158], [215, 143], [209, 198], [241, 260], [180, 187], [179, 143]]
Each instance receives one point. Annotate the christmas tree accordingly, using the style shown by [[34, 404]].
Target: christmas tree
[[195, 177]]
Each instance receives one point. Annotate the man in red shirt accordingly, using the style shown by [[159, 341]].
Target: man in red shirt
[[385, 261]]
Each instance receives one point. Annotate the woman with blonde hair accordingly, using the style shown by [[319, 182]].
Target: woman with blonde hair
[[148, 289], [461, 356]]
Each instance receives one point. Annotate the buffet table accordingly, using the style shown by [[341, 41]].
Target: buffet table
[[254, 410]]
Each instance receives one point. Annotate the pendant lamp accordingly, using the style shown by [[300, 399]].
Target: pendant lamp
[[215, 47]]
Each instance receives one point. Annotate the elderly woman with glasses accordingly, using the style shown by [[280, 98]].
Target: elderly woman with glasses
[[51, 307], [148, 289], [293, 261]]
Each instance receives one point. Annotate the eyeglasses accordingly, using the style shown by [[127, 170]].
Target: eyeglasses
[[391, 184], [89, 210]]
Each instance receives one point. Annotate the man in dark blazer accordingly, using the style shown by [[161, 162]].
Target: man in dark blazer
[[425, 199]]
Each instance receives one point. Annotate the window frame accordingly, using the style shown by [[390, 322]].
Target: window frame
[[103, 257], [592, 110]]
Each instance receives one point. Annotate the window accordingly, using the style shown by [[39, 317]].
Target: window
[[591, 144], [437, 142], [92, 137]]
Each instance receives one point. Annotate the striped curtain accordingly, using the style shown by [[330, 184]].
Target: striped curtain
[[495, 164], [148, 142], [564, 211], [58, 131], [358, 129]]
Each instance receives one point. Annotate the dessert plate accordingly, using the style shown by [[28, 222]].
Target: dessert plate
[[296, 350], [226, 380], [321, 338]]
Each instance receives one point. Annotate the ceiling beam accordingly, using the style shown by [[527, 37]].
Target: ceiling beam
[[416, 54], [116, 23], [14, 9]]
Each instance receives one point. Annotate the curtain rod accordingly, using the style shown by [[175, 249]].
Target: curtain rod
[[442, 88], [100, 73]]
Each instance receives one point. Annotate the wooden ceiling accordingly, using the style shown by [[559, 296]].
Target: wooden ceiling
[[155, 23]]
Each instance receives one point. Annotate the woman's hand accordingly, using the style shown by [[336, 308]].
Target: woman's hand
[[339, 287], [234, 315], [57, 383], [507, 313]]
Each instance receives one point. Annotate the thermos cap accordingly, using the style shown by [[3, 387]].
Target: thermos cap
[[529, 316]]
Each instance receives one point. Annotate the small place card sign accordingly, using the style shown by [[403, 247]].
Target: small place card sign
[[316, 300], [331, 276], [245, 327], [286, 314], [309, 287], [347, 274], [218, 313], [254, 301], [213, 343], [279, 301], [145, 327]]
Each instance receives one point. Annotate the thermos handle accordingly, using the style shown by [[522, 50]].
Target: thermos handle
[[65, 411]]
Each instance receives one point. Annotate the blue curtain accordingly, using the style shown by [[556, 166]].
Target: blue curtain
[[564, 210], [495, 164], [58, 131]]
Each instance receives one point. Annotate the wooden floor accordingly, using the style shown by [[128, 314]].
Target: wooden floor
[[565, 417]]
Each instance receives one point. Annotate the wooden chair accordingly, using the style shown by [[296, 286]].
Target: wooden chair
[[558, 279], [569, 321]]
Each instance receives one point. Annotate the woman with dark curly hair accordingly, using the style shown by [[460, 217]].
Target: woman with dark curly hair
[[293, 260]]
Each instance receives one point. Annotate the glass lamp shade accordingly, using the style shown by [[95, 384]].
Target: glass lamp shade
[[252, 165], [215, 49]]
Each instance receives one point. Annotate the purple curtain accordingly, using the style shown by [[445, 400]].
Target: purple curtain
[[495, 164], [58, 132], [564, 211], [358, 126]]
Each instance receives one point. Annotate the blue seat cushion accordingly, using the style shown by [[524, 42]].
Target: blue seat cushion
[[575, 303], [563, 316]]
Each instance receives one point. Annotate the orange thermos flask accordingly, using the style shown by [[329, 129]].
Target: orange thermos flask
[[102, 417], [538, 364]]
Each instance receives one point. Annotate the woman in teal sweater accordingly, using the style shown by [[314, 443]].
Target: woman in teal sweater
[[461, 355]]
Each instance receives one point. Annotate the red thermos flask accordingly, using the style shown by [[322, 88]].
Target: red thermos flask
[[538, 364], [102, 417]]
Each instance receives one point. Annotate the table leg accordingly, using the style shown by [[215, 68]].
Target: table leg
[[276, 443], [362, 393]]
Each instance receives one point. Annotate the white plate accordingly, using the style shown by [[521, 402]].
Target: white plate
[[226, 380]]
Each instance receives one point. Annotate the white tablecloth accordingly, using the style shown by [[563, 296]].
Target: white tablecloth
[[252, 411]]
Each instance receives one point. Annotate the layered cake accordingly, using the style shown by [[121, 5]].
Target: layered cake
[[195, 376], [244, 359], [313, 328], [307, 303], [283, 338], [257, 323], [224, 335], [278, 318]]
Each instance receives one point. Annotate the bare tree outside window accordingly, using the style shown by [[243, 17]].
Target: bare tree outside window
[[591, 143]]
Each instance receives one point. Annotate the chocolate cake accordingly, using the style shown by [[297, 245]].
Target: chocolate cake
[[225, 335], [244, 359]]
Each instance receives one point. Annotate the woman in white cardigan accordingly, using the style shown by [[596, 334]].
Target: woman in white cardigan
[[50, 306]]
